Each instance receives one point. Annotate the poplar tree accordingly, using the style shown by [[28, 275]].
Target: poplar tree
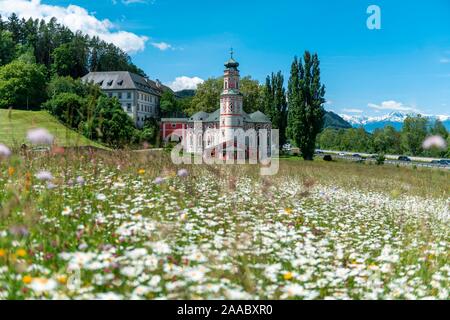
[[275, 104], [305, 99]]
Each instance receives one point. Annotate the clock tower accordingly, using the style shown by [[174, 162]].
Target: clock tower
[[231, 112]]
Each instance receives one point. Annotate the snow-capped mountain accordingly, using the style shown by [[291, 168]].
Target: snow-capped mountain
[[394, 119]]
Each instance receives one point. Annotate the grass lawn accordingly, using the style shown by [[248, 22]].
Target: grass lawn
[[15, 123], [103, 227]]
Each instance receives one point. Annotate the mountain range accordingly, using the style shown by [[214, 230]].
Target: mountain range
[[394, 119]]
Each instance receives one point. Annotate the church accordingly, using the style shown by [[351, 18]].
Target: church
[[221, 128]]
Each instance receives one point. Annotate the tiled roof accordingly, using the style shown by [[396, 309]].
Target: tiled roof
[[124, 80]]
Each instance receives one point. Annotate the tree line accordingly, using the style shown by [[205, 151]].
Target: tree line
[[40, 67], [34, 51], [387, 140]]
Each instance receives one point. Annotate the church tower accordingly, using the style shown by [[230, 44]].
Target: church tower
[[231, 112]]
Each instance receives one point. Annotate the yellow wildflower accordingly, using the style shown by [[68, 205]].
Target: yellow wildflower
[[288, 210], [141, 171], [288, 275], [62, 279], [27, 279], [21, 253], [11, 171], [2, 253]]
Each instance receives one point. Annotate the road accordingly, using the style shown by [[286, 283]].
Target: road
[[390, 159]]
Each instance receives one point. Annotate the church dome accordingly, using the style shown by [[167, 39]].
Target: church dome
[[258, 116], [231, 63]]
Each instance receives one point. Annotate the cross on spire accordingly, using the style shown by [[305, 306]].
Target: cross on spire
[[231, 52]]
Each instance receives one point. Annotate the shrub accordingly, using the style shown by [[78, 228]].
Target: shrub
[[327, 157], [380, 159]]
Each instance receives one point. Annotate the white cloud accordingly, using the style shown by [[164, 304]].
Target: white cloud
[[444, 60], [127, 2], [392, 105], [184, 82], [163, 46], [75, 18], [351, 110]]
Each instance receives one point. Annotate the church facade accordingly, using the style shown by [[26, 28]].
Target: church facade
[[223, 127]]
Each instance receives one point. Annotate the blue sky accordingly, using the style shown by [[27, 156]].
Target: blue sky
[[404, 66]]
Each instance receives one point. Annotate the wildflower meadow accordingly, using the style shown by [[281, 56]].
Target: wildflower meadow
[[94, 224]]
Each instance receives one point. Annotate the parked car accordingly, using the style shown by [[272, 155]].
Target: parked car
[[356, 155], [373, 156], [342, 154], [435, 162], [403, 158], [444, 162], [327, 157]]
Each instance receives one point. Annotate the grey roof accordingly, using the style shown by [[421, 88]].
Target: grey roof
[[255, 117], [258, 116], [124, 80], [199, 116], [174, 119]]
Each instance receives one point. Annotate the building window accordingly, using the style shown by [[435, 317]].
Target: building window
[[174, 125], [110, 94], [128, 95], [119, 95], [129, 107]]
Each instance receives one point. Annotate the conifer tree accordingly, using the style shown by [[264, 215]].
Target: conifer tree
[[305, 99]]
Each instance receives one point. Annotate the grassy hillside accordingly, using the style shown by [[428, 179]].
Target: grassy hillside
[[15, 123]]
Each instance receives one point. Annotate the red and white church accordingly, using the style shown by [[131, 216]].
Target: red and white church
[[208, 131]]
